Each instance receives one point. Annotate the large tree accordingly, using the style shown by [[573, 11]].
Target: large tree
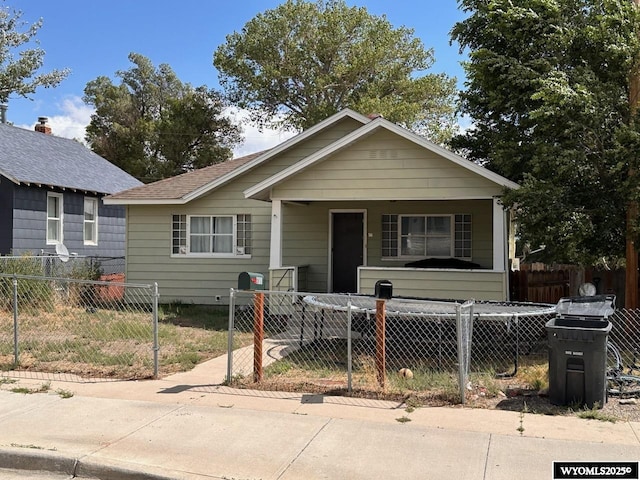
[[154, 126], [303, 61], [548, 93], [21, 58]]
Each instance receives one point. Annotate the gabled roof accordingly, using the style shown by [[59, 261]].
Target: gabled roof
[[261, 190], [189, 186], [33, 158]]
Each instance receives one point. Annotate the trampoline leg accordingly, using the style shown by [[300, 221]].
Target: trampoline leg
[[516, 350], [439, 346], [302, 325]]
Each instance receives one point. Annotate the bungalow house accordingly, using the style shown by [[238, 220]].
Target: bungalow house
[[346, 203], [51, 192]]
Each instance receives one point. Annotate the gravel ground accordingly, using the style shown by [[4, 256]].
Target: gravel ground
[[615, 409]]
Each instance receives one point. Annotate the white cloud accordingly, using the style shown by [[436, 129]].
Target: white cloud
[[72, 121], [254, 139]]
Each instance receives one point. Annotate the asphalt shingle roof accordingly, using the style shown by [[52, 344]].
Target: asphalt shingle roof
[[177, 187], [32, 157]]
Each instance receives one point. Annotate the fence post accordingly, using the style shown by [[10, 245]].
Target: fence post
[[380, 341], [464, 330], [349, 350], [156, 344], [16, 354], [258, 335], [232, 310], [462, 378]]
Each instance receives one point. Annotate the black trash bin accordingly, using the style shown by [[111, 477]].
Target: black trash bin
[[578, 350]]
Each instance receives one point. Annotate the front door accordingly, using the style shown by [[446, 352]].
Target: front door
[[347, 250]]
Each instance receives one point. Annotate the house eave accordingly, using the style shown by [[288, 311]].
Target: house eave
[[128, 201]]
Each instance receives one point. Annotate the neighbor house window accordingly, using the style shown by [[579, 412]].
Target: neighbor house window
[[419, 236], [54, 218], [223, 235], [90, 221]]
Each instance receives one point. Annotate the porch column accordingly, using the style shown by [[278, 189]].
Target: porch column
[[275, 256], [499, 236]]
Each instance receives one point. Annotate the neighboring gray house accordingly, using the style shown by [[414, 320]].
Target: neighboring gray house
[[51, 192]]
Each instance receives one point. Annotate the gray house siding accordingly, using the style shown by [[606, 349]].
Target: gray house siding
[[6, 215], [30, 224]]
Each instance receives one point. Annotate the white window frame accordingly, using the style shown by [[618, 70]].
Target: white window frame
[[464, 220], [181, 237], [94, 223], [59, 219]]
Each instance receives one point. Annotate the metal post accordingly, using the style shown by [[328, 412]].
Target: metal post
[[349, 350], [156, 344], [380, 341], [232, 309], [461, 366], [258, 335], [16, 353]]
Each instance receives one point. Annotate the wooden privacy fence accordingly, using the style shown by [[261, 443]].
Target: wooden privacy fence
[[548, 284]]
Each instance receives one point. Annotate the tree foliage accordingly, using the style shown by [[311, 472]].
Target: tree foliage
[[301, 62], [154, 126], [18, 64], [548, 94]]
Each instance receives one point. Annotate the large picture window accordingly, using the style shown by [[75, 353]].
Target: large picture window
[[420, 236], [54, 218], [90, 221], [209, 235]]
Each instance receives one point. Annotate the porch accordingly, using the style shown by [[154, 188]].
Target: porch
[[408, 282]]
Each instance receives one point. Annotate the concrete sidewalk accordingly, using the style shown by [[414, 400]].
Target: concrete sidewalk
[[188, 426]]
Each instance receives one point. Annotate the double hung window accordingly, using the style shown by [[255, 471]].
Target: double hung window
[[55, 214], [90, 221], [211, 235]]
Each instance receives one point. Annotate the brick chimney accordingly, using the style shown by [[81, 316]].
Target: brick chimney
[[42, 126]]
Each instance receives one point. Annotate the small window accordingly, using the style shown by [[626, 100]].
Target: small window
[[54, 218], [211, 235], [90, 221], [420, 236]]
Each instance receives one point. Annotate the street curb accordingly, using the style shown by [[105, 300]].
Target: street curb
[[25, 458], [17, 458]]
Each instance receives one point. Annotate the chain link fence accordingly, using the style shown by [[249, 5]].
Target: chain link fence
[[432, 350], [324, 343], [73, 329]]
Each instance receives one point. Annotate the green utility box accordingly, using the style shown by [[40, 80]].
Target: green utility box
[[250, 281]]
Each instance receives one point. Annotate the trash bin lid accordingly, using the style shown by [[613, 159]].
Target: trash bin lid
[[598, 306]]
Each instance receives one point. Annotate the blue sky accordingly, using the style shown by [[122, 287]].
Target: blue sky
[[94, 38]]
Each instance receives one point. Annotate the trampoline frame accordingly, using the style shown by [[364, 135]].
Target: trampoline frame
[[511, 318]]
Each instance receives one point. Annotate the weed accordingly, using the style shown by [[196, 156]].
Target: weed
[[403, 419], [520, 428], [535, 377], [596, 414], [5, 380], [45, 387], [24, 390], [64, 393]]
